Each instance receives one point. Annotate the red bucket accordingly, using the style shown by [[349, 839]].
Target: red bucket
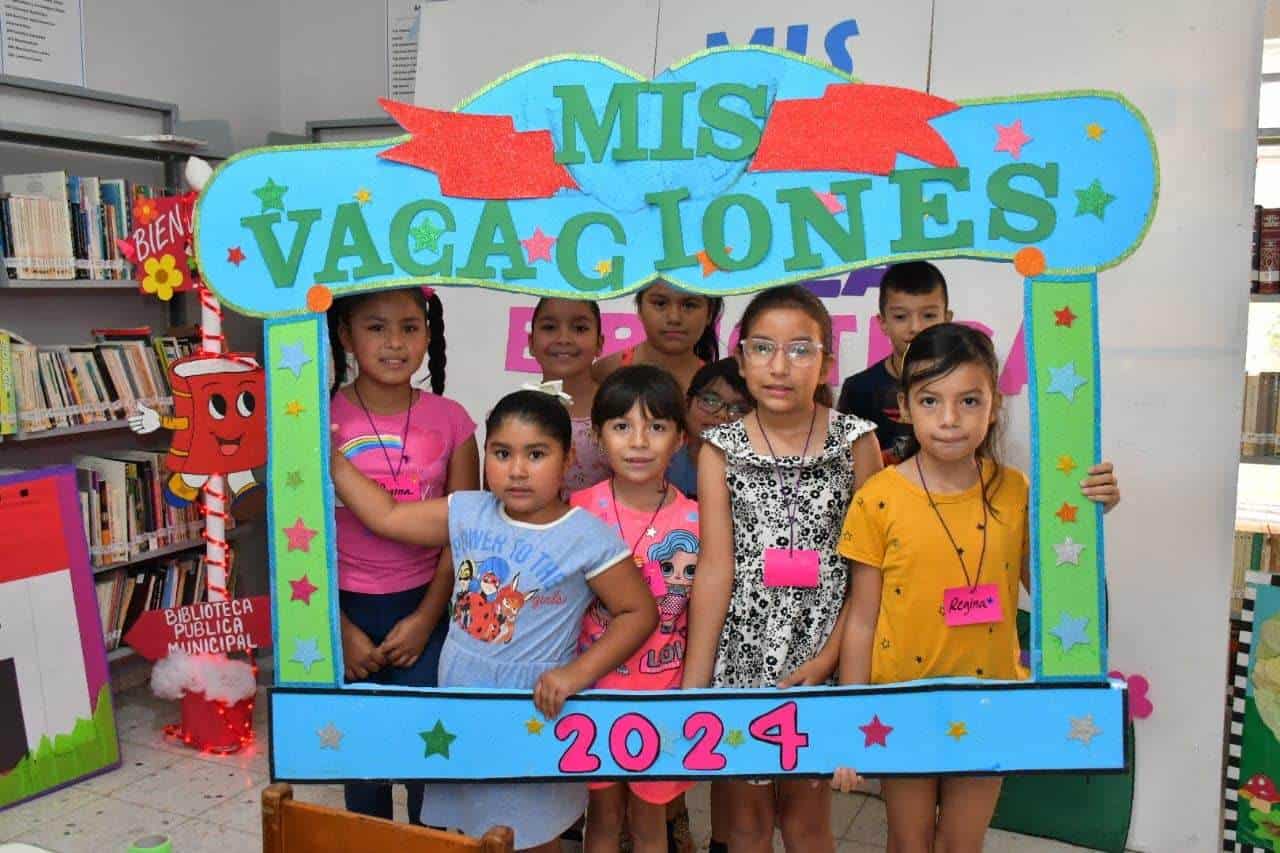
[[214, 726]]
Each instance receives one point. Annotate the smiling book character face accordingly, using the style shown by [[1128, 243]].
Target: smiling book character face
[[223, 400]]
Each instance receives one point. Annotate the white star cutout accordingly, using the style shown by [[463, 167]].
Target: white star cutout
[[1068, 552], [1083, 729], [330, 737]]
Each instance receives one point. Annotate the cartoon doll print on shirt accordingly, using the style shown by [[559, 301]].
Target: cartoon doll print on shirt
[[669, 569], [488, 599]]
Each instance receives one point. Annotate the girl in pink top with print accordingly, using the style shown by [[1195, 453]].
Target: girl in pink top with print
[[416, 445], [638, 417]]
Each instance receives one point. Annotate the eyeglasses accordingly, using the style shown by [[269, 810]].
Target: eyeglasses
[[761, 351], [711, 403]]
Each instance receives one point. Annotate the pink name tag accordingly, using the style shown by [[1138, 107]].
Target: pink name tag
[[964, 606], [784, 567], [407, 490]]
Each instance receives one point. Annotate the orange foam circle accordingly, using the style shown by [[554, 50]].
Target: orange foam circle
[[1029, 262], [319, 298]]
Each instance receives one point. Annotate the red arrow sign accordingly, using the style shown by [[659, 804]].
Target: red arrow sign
[[853, 127], [213, 627]]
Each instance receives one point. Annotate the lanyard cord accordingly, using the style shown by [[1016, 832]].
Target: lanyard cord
[[793, 504], [617, 514], [404, 436], [959, 551]]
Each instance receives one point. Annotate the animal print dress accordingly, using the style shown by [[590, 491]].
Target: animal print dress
[[769, 631]]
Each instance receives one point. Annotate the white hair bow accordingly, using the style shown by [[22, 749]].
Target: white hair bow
[[555, 388]]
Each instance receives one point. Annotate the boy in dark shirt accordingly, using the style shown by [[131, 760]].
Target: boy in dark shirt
[[913, 297]]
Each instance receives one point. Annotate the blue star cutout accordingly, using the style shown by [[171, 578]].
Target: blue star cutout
[[1065, 381], [305, 652], [1070, 631], [293, 358]]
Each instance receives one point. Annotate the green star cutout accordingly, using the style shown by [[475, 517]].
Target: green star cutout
[[271, 195], [437, 739], [1093, 199], [735, 738], [293, 479], [426, 236]]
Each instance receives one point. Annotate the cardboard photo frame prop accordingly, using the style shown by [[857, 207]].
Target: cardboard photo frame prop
[[734, 170]]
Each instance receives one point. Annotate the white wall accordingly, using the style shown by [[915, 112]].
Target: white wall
[[333, 60], [216, 60]]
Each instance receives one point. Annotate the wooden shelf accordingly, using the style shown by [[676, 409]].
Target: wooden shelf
[[78, 429], [95, 143], [232, 535], [1260, 460], [67, 284]]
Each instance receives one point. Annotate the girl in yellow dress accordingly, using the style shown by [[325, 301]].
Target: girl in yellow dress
[[939, 545]]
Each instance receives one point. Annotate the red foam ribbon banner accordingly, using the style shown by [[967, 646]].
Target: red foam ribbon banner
[[853, 127], [511, 164], [213, 627], [161, 231]]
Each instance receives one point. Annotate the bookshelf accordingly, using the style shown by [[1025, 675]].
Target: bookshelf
[[51, 128]]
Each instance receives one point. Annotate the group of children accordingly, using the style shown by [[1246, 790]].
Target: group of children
[[671, 519]]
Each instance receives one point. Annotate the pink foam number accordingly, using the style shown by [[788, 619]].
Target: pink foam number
[[706, 730], [780, 727], [518, 359], [620, 749], [580, 730], [1140, 704], [1014, 376]]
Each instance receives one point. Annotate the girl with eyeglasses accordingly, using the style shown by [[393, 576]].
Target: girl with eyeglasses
[[717, 395], [769, 600]]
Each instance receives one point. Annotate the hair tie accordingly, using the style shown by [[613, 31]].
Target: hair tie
[[428, 292], [554, 388]]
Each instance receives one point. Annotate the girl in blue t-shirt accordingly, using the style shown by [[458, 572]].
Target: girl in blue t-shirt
[[526, 566]]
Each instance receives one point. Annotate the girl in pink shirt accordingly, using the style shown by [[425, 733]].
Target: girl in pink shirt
[[416, 445], [638, 417]]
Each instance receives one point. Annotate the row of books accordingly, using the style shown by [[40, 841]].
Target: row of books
[[48, 387], [1266, 250], [1261, 419], [59, 226], [173, 582], [1252, 552], [123, 507]]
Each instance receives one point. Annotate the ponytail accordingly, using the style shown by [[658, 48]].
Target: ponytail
[[436, 358], [708, 346], [334, 319]]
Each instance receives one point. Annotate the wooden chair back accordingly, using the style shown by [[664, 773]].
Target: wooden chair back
[[289, 826]]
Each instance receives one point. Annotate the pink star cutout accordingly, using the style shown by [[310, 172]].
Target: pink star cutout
[[235, 255], [876, 732], [303, 589], [829, 201], [300, 536], [538, 247], [1011, 139]]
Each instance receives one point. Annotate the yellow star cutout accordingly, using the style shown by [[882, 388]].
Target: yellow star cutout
[[604, 267], [1094, 131], [533, 726], [1066, 464], [293, 407], [957, 731], [363, 196]]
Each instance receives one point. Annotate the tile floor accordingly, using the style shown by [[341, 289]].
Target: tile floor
[[210, 804]]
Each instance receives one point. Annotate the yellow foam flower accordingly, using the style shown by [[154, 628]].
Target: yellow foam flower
[[161, 277]]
